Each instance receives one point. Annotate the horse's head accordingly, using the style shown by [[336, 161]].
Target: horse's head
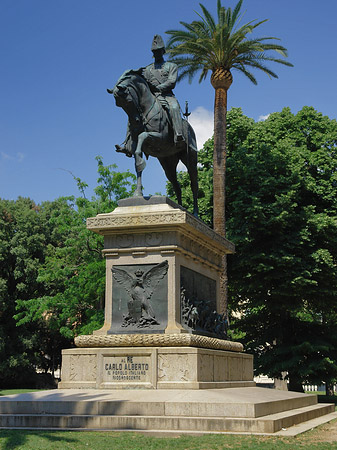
[[125, 90], [132, 93]]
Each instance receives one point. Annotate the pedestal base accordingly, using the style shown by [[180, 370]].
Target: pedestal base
[[155, 368], [249, 410]]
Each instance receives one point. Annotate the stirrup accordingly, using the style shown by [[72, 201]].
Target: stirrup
[[179, 141]]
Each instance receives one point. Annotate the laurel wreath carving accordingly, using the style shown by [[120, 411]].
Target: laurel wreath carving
[[157, 340]]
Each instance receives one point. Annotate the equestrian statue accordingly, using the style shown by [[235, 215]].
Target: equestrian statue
[[155, 126]]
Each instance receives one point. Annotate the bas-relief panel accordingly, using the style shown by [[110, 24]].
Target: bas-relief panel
[[139, 298], [175, 367], [198, 304], [82, 368]]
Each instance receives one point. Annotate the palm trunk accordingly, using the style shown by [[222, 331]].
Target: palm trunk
[[221, 81], [219, 184], [219, 161]]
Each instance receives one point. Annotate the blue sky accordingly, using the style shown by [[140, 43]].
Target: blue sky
[[58, 57]]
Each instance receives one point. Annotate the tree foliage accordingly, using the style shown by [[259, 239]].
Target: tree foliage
[[282, 216], [208, 44], [221, 45], [25, 232], [52, 274]]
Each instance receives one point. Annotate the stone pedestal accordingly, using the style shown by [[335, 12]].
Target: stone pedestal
[[163, 326], [155, 368]]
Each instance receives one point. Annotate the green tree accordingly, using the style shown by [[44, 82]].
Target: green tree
[[238, 127], [206, 45], [52, 275], [282, 185], [25, 232], [73, 274], [282, 217], [221, 46]]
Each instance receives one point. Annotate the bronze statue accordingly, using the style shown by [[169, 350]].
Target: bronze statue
[[161, 77], [155, 125]]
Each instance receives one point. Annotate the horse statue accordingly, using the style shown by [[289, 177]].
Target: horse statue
[[151, 134]]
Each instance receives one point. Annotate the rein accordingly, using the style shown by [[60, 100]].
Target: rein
[[135, 97]]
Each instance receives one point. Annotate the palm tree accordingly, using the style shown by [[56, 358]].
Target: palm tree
[[205, 45]]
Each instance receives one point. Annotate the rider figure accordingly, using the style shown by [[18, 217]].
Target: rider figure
[[161, 77]]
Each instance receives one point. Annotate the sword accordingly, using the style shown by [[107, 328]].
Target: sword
[[186, 114]]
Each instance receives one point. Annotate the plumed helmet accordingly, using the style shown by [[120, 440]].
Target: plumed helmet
[[157, 43]]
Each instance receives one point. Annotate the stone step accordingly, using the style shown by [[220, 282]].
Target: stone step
[[247, 402], [153, 408], [267, 424], [254, 410]]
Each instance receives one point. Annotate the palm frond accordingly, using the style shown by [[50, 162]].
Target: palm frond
[[205, 45], [189, 26], [236, 12], [208, 18], [219, 7], [257, 24], [248, 74], [228, 17], [203, 74], [190, 71], [258, 65], [178, 36]]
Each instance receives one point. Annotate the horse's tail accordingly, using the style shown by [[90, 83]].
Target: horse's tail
[[189, 136]]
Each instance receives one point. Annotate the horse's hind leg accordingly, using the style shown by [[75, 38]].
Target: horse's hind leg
[[169, 164], [190, 160]]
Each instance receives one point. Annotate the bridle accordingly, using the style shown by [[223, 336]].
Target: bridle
[[133, 92]]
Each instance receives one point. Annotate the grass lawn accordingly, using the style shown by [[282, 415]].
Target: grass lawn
[[16, 391], [323, 437], [35, 440]]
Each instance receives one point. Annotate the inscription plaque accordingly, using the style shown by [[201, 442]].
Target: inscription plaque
[[127, 368]]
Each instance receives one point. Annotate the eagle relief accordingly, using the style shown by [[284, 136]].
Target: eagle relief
[[140, 287]]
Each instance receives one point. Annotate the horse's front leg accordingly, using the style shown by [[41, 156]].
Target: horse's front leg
[[139, 188], [139, 160]]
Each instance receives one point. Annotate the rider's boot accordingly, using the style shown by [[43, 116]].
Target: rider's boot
[[123, 149]]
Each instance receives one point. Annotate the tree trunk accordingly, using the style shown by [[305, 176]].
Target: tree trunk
[[221, 80], [219, 161], [295, 384], [329, 389]]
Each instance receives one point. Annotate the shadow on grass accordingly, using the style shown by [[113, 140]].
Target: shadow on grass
[[12, 439]]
